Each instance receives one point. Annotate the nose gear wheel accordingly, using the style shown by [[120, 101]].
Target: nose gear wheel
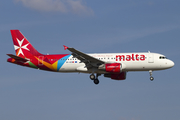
[[151, 77]]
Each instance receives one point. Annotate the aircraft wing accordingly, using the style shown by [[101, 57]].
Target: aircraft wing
[[85, 58], [17, 58]]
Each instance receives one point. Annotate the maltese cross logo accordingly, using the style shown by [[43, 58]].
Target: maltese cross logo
[[20, 47]]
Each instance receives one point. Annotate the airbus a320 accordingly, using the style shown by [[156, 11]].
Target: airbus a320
[[111, 65]]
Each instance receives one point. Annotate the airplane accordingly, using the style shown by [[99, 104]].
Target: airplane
[[111, 65]]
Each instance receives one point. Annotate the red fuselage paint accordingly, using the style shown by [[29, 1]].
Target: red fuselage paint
[[133, 57]]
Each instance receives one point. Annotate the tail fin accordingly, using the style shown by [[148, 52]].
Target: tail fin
[[22, 46]]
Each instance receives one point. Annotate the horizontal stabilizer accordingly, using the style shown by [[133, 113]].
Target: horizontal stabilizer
[[17, 58]]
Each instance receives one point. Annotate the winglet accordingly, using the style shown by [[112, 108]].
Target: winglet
[[65, 47]]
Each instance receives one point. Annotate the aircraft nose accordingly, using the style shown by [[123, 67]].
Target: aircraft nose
[[171, 63]]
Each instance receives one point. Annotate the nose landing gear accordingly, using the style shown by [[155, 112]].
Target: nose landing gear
[[95, 79], [151, 77]]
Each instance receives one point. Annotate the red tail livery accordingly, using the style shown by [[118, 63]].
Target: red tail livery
[[22, 46]]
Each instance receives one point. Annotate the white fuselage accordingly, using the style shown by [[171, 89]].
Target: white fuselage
[[130, 62]]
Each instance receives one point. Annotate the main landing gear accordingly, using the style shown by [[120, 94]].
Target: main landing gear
[[95, 78], [151, 77]]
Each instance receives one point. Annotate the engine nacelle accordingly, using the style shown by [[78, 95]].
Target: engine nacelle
[[111, 67], [120, 76]]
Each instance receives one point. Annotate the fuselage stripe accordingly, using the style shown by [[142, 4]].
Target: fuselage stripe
[[62, 61]]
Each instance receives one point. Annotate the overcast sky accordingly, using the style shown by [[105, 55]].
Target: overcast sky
[[91, 26]]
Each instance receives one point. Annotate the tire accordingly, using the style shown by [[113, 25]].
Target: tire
[[92, 77], [96, 81], [151, 78]]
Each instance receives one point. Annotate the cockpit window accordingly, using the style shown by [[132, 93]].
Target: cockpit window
[[162, 57]]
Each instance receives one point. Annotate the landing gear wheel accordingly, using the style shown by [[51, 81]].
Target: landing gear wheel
[[96, 81], [151, 78], [92, 77]]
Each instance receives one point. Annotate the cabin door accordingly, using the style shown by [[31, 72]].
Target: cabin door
[[151, 58]]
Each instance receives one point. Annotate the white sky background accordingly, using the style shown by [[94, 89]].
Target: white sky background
[[92, 27]]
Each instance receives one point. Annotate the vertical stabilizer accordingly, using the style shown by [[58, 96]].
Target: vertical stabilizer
[[22, 46]]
